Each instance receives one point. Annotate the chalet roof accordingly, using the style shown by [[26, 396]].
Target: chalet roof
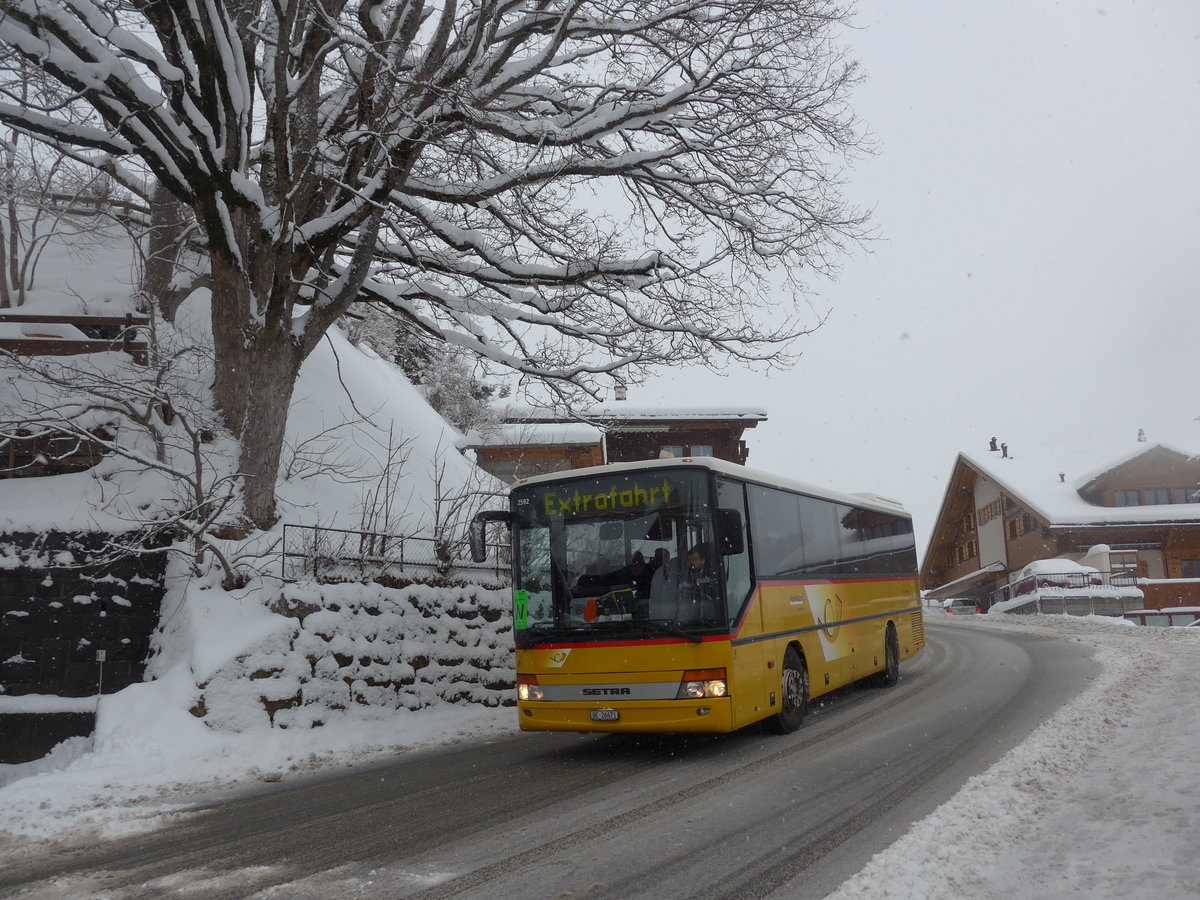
[[621, 411], [534, 434], [1031, 474]]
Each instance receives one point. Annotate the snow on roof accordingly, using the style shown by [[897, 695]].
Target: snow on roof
[[534, 434], [1031, 472], [626, 412], [1057, 566]]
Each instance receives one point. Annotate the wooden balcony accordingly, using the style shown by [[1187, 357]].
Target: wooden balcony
[[31, 334]]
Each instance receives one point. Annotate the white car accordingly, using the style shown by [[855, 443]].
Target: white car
[[962, 608]]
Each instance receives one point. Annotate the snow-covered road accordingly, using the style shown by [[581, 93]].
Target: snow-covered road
[[1099, 801]]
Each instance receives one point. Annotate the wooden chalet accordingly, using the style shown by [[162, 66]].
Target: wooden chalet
[[532, 441], [1004, 509]]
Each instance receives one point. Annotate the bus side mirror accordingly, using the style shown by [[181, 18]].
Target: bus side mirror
[[477, 533], [729, 532]]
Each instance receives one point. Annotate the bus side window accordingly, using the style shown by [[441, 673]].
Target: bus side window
[[736, 566]]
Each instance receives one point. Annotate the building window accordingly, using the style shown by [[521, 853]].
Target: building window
[[985, 514], [1123, 561], [1156, 496], [1028, 523], [1126, 498], [702, 450], [671, 450], [1191, 568], [1185, 495], [1012, 529]]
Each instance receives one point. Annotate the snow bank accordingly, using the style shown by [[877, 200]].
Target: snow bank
[[1099, 801], [242, 680]]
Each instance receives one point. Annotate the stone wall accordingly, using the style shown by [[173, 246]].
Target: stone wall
[[356, 649], [60, 603]]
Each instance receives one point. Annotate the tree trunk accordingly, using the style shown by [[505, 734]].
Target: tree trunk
[[5, 301], [167, 218], [253, 386]]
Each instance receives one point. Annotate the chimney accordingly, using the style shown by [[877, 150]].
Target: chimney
[[1141, 436], [993, 445], [1062, 476], [1004, 451], [619, 391]]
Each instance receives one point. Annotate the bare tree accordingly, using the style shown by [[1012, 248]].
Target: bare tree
[[452, 506], [151, 424], [571, 188], [44, 195], [383, 510]]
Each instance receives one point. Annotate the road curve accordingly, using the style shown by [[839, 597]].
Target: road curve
[[737, 816]]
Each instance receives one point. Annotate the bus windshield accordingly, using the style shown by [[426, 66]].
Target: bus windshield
[[623, 555]]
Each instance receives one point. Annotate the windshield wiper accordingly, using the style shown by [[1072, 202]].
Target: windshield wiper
[[677, 632]]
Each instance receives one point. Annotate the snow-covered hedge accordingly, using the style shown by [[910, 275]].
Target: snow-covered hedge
[[366, 650]]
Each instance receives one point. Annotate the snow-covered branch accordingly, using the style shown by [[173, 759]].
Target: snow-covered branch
[[566, 187]]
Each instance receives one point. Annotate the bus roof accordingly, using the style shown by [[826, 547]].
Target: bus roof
[[863, 501]]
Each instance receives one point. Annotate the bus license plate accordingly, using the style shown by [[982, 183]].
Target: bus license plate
[[605, 715]]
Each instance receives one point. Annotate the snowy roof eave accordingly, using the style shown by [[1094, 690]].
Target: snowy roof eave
[[944, 591], [540, 434], [620, 411]]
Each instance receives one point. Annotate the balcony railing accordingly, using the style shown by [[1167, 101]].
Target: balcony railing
[[101, 334], [1063, 583]]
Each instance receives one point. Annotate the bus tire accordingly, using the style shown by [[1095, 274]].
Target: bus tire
[[793, 695], [891, 652]]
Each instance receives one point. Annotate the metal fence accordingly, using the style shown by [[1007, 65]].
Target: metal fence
[[1066, 581], [339, 554], [1060, 605]]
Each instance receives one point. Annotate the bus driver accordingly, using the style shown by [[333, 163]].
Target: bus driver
[[687, 593]]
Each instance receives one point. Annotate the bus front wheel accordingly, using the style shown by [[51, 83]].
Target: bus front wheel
[[793, 695]]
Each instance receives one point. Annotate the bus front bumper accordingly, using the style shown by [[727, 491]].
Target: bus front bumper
[[715, 715]]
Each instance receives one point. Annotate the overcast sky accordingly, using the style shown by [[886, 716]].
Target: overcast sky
[[1036, 190]]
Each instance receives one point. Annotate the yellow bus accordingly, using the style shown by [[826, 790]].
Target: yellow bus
[[684, 595]]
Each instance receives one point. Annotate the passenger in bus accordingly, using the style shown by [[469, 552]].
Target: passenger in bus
[[595, 578], [664, 587], [639, 575]]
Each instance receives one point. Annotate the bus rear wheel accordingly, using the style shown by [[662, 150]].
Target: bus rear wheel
[[793, 695], [891, 651]]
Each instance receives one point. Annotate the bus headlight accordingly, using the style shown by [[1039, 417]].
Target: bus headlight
[[700, 684], [528, 688]]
